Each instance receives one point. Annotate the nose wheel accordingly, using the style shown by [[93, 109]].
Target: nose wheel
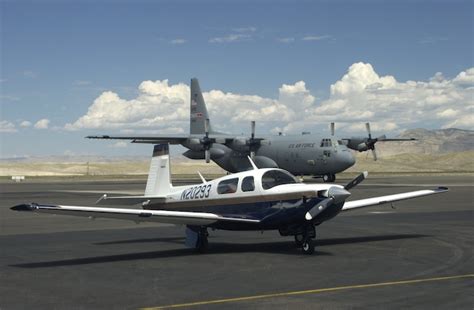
[[328, 178], [308, 246], [305, 240]]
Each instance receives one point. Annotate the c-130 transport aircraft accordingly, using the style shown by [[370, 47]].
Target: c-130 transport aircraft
[[305, 154], [257, 199]]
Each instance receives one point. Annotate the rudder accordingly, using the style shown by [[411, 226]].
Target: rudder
[[159, 176], [198, 110]]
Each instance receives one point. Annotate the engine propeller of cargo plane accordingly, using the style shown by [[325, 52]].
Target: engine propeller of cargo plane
[[252, 142], [206, 142]]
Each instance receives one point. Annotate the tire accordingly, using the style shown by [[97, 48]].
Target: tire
[[202, 244], [308, 247], [326, 178]]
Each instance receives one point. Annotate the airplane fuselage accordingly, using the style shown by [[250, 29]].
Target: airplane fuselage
[[253, 194], [300, 155]]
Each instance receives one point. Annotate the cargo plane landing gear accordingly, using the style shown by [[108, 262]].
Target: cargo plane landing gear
[[329, 178]]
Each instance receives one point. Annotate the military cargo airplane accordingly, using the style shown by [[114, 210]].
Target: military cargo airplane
[[257, 199], [304, 154]]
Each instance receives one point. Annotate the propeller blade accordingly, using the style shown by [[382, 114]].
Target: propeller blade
[[332, 129], [374, 154], [207, 155], [320, 207], [367, 126], [361, 177], [252, 125], [206, 127], [335, 195]]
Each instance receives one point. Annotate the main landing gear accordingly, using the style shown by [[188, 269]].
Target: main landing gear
[[329, 178], [305, 240], [196, 237]]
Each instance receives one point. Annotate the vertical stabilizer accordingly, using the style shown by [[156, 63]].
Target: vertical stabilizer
[[159, 177], [198, 110]]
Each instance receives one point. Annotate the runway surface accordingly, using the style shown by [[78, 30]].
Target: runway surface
[[416, 256]]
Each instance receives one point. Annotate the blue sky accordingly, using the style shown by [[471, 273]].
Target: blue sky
[[58, 57]]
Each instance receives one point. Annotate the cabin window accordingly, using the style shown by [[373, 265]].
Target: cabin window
[[273, 178], [228, 186], [248, 184]]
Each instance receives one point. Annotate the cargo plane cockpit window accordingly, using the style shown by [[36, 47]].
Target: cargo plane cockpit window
[[326, 143]]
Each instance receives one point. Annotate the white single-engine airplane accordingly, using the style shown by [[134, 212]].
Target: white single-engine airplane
[[258, 199]]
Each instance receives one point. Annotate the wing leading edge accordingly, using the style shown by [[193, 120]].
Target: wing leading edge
[[356, 204], [136, 215]]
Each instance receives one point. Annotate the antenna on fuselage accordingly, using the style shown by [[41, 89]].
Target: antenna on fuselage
[[252, 163], [202, 178]]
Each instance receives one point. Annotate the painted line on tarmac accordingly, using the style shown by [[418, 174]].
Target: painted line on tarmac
[[315, 291]]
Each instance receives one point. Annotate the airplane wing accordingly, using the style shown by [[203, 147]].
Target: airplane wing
[[177, 139], [156, 139], [136, 215], [356, 204]]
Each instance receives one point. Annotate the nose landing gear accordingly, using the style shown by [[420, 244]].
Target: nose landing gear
[[305, 240], [329, 178]]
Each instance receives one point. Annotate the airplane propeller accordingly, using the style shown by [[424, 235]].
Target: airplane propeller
[[369, 144], [333, 126], [206, 142], [252, 142], [336, 195]]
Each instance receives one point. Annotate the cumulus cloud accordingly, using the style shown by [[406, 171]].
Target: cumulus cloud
[[42, 124], [25, 124], [360, 95], [7, 127]]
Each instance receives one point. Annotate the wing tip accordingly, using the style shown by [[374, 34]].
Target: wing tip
[[25, 207]]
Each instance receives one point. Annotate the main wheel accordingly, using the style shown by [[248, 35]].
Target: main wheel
[[299, 240], [326, 178], [308, 246], [202, 242]]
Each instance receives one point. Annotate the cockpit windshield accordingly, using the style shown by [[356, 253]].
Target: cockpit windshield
[[273, 178], [326, 143]]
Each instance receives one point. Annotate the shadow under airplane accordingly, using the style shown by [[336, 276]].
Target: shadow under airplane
[[217, 248]]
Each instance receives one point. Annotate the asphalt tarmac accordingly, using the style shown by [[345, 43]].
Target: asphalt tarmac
[[416, 256]]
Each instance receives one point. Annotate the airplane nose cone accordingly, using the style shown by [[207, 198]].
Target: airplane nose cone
[[348, 159]]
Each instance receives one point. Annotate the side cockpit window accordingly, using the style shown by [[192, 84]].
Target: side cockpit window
[[248, 184], [273, 178], [228, 186]]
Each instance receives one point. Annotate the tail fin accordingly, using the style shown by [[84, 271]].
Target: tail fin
[[198, 110], [159, 179]]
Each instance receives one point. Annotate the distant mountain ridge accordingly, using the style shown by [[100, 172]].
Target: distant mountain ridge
[[432, 142]]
